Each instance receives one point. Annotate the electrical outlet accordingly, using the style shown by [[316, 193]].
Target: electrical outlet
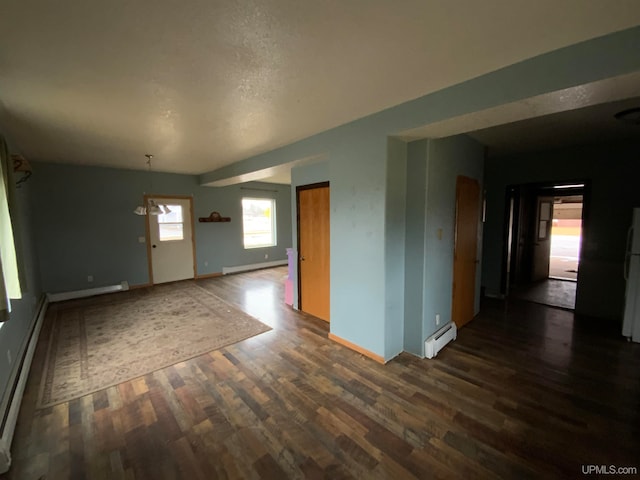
[[9, 359], [89, 278], [206, 263], [266, 256], [437, 319]]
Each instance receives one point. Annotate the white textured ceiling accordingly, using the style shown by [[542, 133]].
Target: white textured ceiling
[[201, 84]]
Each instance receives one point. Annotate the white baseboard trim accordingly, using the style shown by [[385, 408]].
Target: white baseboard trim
[[89, 292], [253, 266], [22, 373]]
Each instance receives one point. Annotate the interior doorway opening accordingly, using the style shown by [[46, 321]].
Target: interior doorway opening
[[543, 236], [566, 238]]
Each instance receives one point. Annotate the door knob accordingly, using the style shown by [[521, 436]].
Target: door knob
[[153, 246], [302, 259]]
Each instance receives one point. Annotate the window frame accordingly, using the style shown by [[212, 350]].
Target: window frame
[[171, 223], [274, 230], [10, 273]]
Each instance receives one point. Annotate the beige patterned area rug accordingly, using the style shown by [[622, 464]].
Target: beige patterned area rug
[[96, 343]]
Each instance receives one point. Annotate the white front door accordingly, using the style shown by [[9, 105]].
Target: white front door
[[542, 241], [171, 241]]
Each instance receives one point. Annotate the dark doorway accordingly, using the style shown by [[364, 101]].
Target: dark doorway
[[566, 237], [542, 242]]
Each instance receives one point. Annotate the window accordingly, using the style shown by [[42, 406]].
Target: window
[[9, 275], [259, 222], [171, 225]]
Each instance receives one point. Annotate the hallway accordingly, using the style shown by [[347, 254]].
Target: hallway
[[551, 292]]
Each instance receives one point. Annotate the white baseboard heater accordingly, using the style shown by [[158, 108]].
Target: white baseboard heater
[[17, 382], [89, 292], [438, 340], [252, 266]]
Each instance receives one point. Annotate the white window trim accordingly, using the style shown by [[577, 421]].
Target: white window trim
[[172, 223], [9, 275], [274, 232]]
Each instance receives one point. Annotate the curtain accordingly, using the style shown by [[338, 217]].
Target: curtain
[[9, 277]]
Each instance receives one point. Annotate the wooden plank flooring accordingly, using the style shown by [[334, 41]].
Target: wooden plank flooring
[[525, 392]]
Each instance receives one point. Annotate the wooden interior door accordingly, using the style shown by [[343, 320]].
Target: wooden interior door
[[542, 240], [465, 250], [313, 250]]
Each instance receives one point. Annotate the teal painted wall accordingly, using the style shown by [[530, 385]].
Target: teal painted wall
[[447, 158], [85, 226], [356, 170], [14, 332], [416, 201], [358, 276], [613, 169], [394, 255], [358, 158], [433, 169]]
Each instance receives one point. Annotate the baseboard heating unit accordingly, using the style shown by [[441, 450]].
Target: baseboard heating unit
[[253, 266], [438, 340], [89, 292], [10, 404]]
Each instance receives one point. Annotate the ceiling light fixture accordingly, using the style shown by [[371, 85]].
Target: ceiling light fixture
[[152, 207], [631, 116], [573, 185]]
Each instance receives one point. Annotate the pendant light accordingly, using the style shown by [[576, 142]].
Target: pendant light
[[152, 207]]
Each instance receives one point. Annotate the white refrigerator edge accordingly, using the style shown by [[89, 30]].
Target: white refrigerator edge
[[631, 318]]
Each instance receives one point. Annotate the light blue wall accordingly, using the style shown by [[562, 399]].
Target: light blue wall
[[358, 277], [221, 244], [85, 225], [613, 170], [446, 159], [15, 332], [358, 159], [416, 201], [433, 169], [395, 224], [356, 170]]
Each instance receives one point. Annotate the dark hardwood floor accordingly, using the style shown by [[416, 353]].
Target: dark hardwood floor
[[526, 391]]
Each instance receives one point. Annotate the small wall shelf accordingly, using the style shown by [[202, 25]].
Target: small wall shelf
[[214, 217]]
